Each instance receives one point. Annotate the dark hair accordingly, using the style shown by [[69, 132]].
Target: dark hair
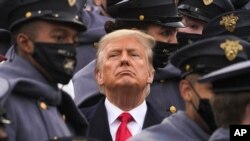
[[229, 108]]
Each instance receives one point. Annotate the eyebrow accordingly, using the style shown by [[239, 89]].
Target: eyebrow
[[63, 30]]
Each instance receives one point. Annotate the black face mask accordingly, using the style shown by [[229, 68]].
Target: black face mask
[[161, 53], [205, 111], [187, 38], [59, 60]]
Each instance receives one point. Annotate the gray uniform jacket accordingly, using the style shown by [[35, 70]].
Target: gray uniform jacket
[[221, 134], [164, 91], [177, 127], [38, 110]]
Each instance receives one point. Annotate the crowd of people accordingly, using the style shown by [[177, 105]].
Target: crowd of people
[[118, 70]]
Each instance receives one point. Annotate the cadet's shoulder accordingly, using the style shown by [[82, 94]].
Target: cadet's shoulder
[[86, 71], [221, 134], [5, 86], [157, 132]]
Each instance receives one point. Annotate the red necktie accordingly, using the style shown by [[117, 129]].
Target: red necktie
[[123, 133]]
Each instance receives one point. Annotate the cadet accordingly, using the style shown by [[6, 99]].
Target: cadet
[[196, 14], [94, 17], [44, 33], [195, 60], [231, 101], [141, 15], [231, 23]]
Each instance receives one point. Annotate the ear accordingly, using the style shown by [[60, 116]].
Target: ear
[[150, 76], [98, 2], [24, 43], [99, 77], [185, 90]]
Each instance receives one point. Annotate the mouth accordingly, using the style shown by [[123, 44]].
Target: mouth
[[125, 72]]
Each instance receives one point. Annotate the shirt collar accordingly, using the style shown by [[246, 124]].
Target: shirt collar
[[138, 113]]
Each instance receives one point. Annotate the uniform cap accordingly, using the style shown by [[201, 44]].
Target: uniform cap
[[231, 23], [163, 12], [211, 54], [231, 79], [204, 10], [52, 10], [112, 2]]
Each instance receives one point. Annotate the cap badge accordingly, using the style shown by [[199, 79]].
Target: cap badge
[[229, 22], [28, 14], [207, 2], [141, 17], [231, 49], [72, 2]]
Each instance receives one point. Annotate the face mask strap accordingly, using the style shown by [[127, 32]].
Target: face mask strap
[[196, 93]]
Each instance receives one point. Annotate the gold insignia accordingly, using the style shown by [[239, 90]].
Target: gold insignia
[[231, 49], [43, 105], [172, 109], [229, 22], [207, 2], [72, 2], [141, 17], [28, 14], [187, 67]]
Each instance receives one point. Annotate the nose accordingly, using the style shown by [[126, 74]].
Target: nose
[[124, 59], [173, 38]]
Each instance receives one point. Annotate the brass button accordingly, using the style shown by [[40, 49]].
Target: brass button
[[43, 105], [141, 17], [172, 109], [162, 81], [64, 117]]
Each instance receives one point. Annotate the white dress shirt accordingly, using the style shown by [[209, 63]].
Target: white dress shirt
[[135, 126]]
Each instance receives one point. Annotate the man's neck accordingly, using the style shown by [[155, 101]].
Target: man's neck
[[126, 100]]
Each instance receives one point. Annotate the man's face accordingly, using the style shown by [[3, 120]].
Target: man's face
[[204, 91], [125, 65], [198, 90], [55, 33], [163, 34], [103, 6], [192, 25]]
